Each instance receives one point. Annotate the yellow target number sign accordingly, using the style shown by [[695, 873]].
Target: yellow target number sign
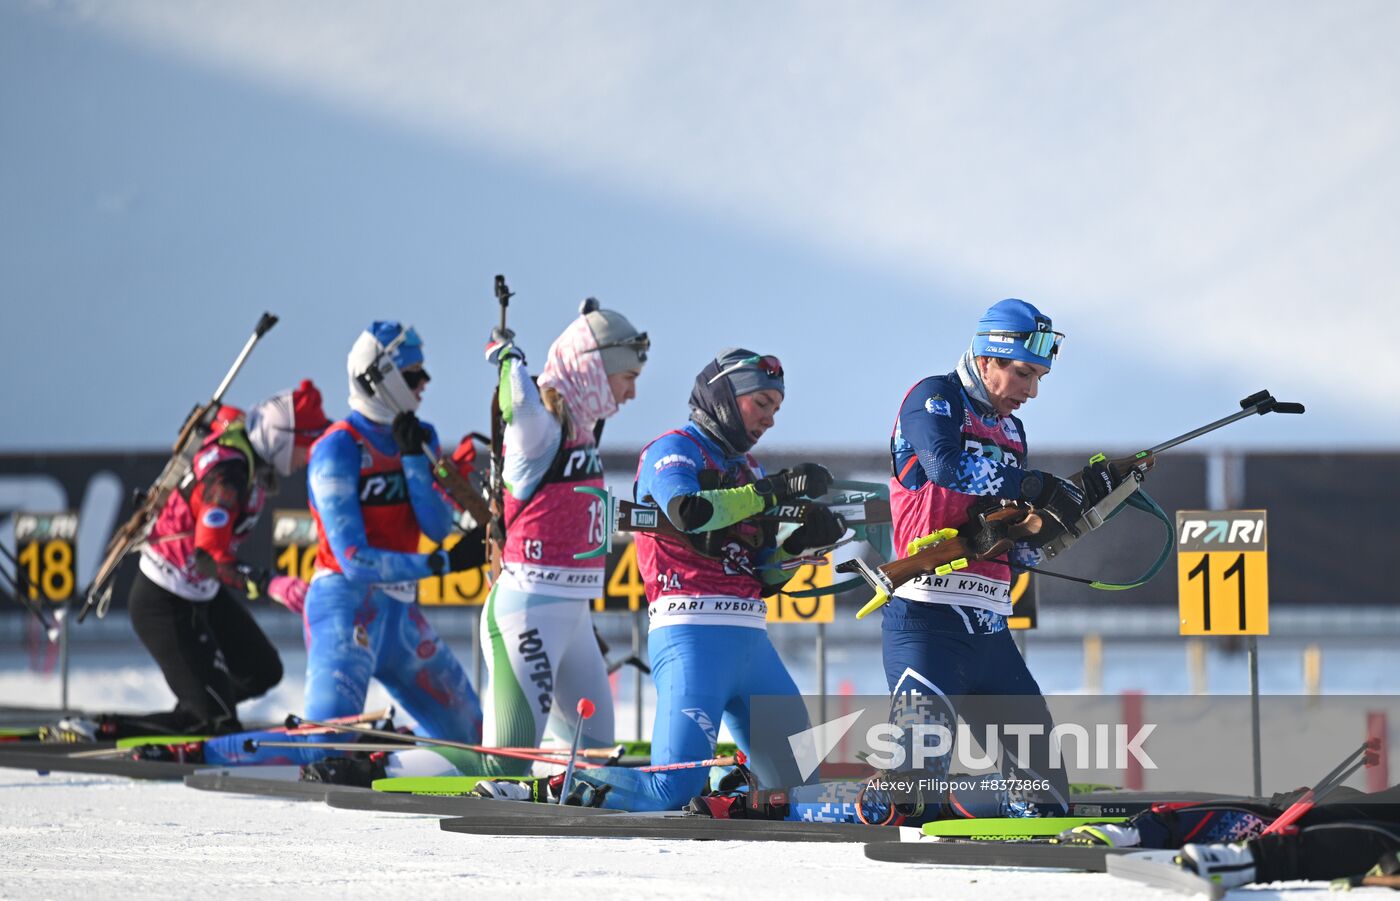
[[294, 554], [44, 543], [1025, 610], [783, 608], [1222, 568]]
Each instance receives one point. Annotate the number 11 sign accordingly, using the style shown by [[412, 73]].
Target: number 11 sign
[[1222, 571]]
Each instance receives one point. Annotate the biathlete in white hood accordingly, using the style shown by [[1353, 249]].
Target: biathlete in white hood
[[541, 651], [372, 492]]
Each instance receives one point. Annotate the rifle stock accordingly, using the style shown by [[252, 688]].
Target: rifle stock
[[992, 536], [461, 490]]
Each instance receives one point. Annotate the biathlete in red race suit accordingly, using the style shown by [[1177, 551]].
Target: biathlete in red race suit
[[710, 651], [185, 601], [372, 493], [956, 445]]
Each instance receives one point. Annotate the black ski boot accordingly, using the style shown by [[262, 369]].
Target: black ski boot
[[359, 772]]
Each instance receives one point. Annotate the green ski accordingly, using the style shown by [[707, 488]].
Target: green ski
[[446, 785], [1010, 828]]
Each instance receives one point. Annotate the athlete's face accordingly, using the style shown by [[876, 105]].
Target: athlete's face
[[1010, 383], [758, 409], [624, 385]]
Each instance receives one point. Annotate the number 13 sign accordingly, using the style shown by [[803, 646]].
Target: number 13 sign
[[1222, 571]]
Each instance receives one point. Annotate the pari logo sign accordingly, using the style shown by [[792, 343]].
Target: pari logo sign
[[1222, 530]]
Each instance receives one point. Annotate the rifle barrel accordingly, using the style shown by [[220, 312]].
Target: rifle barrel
[[263, 325], [1196, 433]]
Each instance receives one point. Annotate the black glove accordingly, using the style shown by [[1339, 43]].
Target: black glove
[[255, 580], [468, 553], [1099, 482], [804, 480], [409, 434], [245, 577], [820, 529], [1060, 504]]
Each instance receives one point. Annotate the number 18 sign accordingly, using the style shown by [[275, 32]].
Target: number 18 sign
[[1222, 571]]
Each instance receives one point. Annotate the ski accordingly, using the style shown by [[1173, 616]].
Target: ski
[[268, 781], [1010, 828], [30, 744], [1040, 854], [433, 785], [1157, 869], [462, 806], [59, 761], [671, 825]]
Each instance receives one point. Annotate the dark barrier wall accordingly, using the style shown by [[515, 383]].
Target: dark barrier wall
[[1332, 523], [1329, 517]]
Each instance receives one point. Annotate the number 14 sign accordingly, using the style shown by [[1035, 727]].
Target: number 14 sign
[[1222, 571]]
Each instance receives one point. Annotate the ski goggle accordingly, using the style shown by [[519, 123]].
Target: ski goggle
[[768, 364], [415, 378], [1043, 343], [406, 339], [639, 344]]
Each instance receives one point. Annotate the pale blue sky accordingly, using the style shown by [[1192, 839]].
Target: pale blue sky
[[1202, 195]]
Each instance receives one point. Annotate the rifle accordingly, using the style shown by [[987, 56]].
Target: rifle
[[495, 491], [857, 509], [129, 535], [990, 534]]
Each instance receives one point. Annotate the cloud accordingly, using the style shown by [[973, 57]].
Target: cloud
[[1217, 176]]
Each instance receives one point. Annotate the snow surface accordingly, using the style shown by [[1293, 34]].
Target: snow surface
[[98, 837], [87, 837]]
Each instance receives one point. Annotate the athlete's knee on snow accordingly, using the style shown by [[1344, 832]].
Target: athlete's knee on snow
[[675, 789], [262, 679]]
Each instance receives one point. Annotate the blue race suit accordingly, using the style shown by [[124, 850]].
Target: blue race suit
[[362, 616], [710, 652], [946, 641]]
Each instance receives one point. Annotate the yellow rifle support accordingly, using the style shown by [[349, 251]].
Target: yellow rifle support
[[938, 537], [880, 600], [945, 569], [929, 540]]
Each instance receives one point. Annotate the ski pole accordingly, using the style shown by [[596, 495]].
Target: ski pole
[[411, 740], [1369, 755], [254, 744], [585, 712], [603, 753], [738, 759], [369, 716]]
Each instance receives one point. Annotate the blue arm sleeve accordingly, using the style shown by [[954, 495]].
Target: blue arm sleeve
[[670, 469], [432, 510], [333, 482], [930, 427]]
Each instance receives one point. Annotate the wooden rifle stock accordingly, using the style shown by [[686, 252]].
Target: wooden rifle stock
[[992, 535], [460, 489], [1122, 467]]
